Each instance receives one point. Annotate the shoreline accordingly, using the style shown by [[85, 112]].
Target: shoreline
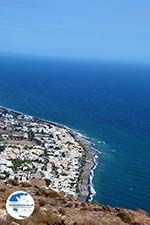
[[85, 183], [86, 187]]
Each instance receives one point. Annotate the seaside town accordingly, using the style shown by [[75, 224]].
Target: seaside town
[[36, 151]]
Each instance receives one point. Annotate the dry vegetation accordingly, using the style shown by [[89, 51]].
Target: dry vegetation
[[54, 208]]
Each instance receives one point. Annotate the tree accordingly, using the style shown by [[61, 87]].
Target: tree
[[31, 135]]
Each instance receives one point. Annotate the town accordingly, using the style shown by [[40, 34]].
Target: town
[[34, 150]]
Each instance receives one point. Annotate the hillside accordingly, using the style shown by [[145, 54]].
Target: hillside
[[54, 208]]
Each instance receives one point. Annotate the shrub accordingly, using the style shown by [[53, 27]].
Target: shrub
[[62, 211], [48, 193], [48, 219], [25, 184], [126, 217], [42, 202]]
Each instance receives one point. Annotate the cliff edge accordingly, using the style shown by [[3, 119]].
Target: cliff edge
[[53, 208]]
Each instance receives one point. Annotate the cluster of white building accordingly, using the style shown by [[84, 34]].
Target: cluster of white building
[[32, 148]]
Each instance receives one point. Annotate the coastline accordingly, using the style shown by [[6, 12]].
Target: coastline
[[86, 187], [89, 160]]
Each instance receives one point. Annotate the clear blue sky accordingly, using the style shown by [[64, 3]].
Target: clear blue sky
[[101, 29]]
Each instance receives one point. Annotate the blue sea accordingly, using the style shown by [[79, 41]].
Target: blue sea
[[109, 102]]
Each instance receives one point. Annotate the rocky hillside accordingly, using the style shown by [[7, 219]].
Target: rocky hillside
[[54, 208]]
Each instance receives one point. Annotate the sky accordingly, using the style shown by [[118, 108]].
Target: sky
[[99, 29]]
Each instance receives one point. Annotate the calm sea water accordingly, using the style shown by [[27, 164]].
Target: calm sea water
[[107, 102]]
